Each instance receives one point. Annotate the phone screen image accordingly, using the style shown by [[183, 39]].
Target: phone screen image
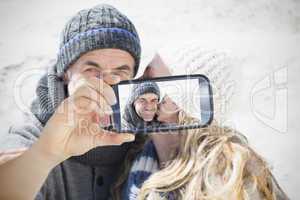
[[155, 105]]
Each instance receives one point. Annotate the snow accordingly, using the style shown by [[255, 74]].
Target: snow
[[263, 36]]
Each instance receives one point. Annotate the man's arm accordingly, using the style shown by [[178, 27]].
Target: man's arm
[[22, 177], [6, 156], [61, 138]]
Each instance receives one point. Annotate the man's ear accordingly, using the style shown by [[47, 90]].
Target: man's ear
[[67, 76], [156, 68]]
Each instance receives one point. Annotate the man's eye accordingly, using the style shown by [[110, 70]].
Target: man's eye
[[122, 73], [93, 70], [141, 100]]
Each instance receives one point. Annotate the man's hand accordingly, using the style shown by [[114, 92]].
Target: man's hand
[[74, 128]]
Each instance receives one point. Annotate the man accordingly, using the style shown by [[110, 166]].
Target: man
[[141, 108], [66, 159]]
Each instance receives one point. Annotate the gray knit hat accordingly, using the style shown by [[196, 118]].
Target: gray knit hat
[[143, 88], [102, 26]]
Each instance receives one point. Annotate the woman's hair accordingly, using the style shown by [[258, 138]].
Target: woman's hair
[[213, 163]]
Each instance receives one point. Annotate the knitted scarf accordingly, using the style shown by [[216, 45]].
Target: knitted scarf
[[145, 164]]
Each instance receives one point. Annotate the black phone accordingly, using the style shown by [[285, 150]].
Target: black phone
[[162, 104]]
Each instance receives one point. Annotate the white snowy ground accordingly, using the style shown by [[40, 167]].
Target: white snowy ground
[[264, 35]]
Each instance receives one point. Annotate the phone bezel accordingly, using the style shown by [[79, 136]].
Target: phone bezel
[[206, 107]]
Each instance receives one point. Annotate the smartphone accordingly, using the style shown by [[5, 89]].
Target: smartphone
[[162, 104]]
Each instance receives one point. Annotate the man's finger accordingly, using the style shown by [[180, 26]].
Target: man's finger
[[103, 88], [92, 99], [107, 138], [113, 139], [96, 84]]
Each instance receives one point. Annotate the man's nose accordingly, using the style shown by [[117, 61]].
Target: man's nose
[[150, 106]]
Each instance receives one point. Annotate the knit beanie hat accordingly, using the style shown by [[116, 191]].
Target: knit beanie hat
[[143, 88], [102, 26], [217, 64], [131, 117]]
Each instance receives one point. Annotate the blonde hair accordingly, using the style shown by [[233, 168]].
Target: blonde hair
[[213, 163]]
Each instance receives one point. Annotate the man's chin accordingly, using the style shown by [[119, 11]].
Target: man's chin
[[148, 119]]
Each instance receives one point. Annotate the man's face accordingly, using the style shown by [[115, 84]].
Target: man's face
[[146, 106], [112, 65]]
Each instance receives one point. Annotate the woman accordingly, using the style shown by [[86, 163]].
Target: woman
[[212, 163], [208, 163]]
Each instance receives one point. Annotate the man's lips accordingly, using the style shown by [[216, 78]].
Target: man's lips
[[149, 112]]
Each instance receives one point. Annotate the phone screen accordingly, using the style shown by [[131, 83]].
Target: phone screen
[[162, 104]]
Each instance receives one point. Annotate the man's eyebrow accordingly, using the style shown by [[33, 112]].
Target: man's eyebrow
[[92, 63], [154, 99], [123, 67]]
